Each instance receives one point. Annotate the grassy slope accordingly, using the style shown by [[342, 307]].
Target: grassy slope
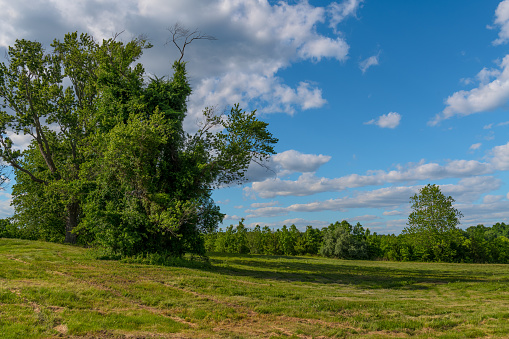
[[49, 290]]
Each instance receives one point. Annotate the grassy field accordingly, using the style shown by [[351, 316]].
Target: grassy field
[[49, 290]]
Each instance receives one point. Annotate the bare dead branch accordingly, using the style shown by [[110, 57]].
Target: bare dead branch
[[182, 36]]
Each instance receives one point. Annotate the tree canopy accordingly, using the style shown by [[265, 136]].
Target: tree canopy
[[109, 162]]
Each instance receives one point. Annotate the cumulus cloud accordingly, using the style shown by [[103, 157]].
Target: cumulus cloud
[[367, 63], [493, 89], [486, 97], [502, 20], [256, 39], [295, 161], [390, 120], [500, 157]]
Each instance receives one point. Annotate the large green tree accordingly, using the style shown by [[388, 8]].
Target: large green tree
[[432, 225], [109, 162]]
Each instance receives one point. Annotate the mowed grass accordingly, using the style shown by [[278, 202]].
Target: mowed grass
[[49, 290]]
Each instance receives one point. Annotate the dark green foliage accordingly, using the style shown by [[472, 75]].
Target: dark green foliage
[[309, 242], [7, 230], [120, 172]]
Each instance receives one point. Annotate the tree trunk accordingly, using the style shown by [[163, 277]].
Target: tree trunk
[[71, 222]]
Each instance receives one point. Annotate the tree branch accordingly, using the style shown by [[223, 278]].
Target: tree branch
[[179, 33]]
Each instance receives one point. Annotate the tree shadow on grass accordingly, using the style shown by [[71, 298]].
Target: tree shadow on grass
[[310, 270]]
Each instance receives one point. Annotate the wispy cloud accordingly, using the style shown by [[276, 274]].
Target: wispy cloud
[[338, 12], [367, 63], [475, 146]]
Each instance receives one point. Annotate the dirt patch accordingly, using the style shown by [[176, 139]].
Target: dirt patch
[[61, 329]]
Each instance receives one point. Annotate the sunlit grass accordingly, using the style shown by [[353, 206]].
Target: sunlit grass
[[49, 290]]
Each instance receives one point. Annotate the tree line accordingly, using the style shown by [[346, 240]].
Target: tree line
[[476, 244], [432, 234]]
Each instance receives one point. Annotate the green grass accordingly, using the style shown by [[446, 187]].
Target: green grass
[[49, 290]]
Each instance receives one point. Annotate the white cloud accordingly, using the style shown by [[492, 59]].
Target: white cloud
[[476, 146], [6, 210], [500, 157], [389, 197], [391, 213], [390, 120], [324, 47], [285, 163], [466, 81], [493, 89], [490, 199], [362, 218], [264, 204], [488, 212], [339, 12], [488, 96], [367, 63], [232, 217], [466, 191], [256, 39], [295, 161], [20, 141], [502, 20], [486, 75], [308, 183]]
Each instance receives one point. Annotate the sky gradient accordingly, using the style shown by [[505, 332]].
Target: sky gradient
[[370, 100]]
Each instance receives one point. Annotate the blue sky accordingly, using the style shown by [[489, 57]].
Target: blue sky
[[370, 100]]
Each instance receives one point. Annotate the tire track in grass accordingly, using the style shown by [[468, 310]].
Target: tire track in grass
[[255, 316], [103, 287], [117, 294], [17, 259]]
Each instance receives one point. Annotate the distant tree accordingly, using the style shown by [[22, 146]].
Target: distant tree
[[341, 240], [432, 226]]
